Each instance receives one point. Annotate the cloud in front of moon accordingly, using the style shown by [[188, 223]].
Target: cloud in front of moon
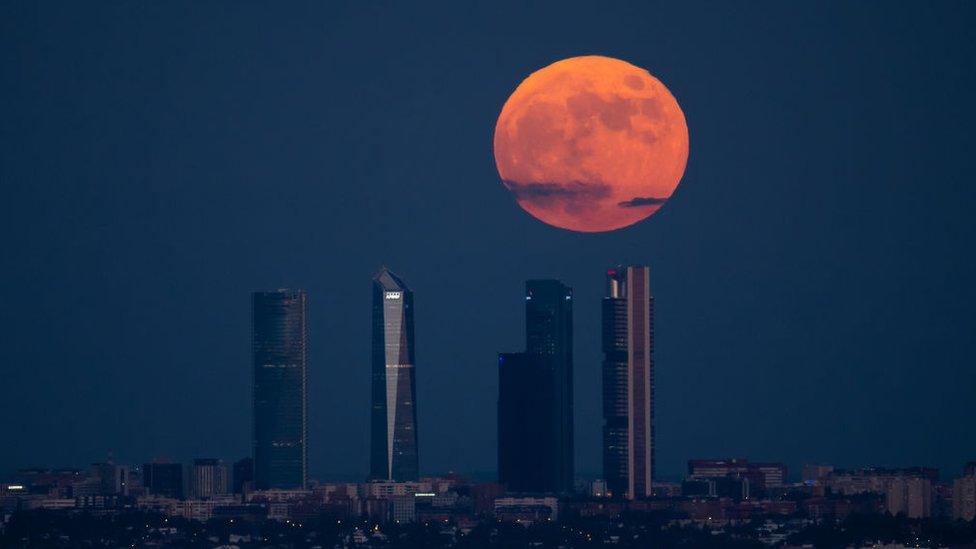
[[591, 144]]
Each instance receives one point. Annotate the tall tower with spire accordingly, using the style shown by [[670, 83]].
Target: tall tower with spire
[[393, 448]]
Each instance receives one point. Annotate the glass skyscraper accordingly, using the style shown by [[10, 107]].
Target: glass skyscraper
[[393, 445], [279, 339], [628, 382], [535, 399]]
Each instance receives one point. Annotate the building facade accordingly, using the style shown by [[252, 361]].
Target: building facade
[[208, 478], [964, 498], [393, 445], [549, 334], [628, 382], [535, 399], [243, 475], [816, 472], [112, 479], [909, 496], [279, 343], [163, 479], [763, 475], [526, 434], [527, 509]]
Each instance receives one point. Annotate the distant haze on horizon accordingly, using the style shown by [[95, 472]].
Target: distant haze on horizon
[[813, 283]]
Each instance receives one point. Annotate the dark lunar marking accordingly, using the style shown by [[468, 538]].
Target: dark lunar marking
[[638, 201], [648, 137], [573, 197], [652, 108], [634, 82], [614, 113]]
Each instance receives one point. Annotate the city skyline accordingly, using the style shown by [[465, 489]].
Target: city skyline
[[442, 274], [535, 486], [813, 300], [532, 377], [279, 334]]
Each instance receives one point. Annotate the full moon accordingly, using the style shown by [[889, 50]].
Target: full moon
[[591, 144]]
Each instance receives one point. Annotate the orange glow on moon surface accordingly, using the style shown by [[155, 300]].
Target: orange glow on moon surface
[[591, 144]]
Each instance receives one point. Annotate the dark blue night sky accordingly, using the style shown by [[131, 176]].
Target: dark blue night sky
[[813, 272]]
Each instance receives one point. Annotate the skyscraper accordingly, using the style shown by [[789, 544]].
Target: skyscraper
[[628, 382], [549, 333], [535, 395], [279, 339], [393, 448]]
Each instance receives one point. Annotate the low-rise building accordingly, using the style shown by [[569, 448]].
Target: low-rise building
[[964, 497], [816, 472], [760, 476], [388, 489], [527, 509], [163, 479], [403, 508], [911, 496], [209, 478]]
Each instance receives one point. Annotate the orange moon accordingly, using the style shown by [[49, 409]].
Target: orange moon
[[591, 144]]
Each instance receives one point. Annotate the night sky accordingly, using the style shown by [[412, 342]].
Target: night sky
[[813, 272]]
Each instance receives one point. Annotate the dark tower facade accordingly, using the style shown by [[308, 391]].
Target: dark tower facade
[[163, 479], [535, 400], [243, 474], [526, 433], [279, 339], [393, 445], [628, 382], [549, 334]]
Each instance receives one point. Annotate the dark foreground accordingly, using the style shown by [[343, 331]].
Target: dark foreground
[[141, 529]]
